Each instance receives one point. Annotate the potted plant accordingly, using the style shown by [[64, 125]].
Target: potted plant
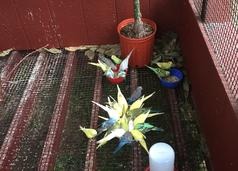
[[137, 33], [125, 121], [114, 69]]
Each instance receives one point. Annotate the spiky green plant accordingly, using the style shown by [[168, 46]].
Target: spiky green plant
[[126, 122]]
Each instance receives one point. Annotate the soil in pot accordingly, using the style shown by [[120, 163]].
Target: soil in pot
[[128, 30]]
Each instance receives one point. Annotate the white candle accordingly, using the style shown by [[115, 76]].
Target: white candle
[[161, 157]]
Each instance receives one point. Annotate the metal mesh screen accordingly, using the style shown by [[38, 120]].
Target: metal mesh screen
[[73, 144], [197, 156], [121, 160], [14, 92], [220, 20], [32, 141], [73, 148], [159, 103]]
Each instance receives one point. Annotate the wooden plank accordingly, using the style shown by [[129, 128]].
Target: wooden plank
[[12, 34], [8, 15], [18, 38], [101, 21], [124, 9], [5, 41], [32, 24], [221, 113], [37, 22], [145, 8], [69, 20], [165, 14]]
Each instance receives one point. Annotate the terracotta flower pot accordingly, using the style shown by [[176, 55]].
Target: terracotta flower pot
[[143, 47]]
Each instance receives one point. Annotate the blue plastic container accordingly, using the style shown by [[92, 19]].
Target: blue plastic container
[[173, 72]]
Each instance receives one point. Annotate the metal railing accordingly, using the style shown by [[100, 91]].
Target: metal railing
[[220, 20]]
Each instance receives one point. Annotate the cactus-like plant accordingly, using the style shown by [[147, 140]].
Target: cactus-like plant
[[138, 29], [138, 25]]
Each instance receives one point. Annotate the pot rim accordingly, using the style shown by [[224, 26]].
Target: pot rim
[[127, 21]]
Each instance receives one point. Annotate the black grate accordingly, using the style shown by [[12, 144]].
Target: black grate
[[106, 160], [73, 146], [197, 152], [159, 103], [32, 141], [16, 87], [220, 20]]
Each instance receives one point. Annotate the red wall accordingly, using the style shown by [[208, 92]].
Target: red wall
[[217, 111], [32, 24]]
